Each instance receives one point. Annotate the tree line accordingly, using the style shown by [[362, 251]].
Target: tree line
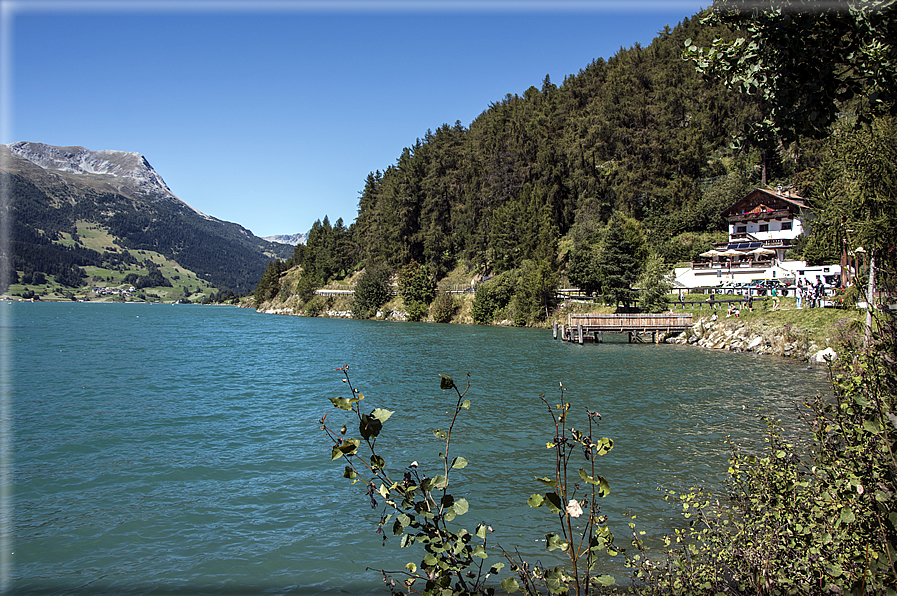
[[628, 163]]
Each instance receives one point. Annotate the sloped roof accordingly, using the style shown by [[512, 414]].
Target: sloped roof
[[760, 200]]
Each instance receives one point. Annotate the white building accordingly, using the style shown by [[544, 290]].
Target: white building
[[763, 225], [765, 219]]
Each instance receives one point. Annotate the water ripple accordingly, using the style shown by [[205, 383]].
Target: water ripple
[[174, 448]]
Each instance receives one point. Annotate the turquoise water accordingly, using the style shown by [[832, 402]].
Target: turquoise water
[[175, 448]]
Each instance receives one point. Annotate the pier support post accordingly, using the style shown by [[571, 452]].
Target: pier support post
[[554, 330], [579, 333]]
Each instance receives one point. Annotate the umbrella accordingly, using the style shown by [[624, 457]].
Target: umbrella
[[763, 251], [710, 253], [731, 253]]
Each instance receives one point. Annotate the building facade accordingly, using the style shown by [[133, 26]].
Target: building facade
[[766, 219]]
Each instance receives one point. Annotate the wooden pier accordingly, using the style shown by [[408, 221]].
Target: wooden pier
[[592, 327]]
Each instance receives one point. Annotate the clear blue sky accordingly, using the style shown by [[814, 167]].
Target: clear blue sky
[[271, 114]]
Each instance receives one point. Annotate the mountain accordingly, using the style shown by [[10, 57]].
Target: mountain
[[57, 193], [291, 239]]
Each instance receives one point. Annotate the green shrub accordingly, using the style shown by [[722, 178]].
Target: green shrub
[[443, 308], [371, 292], [800, 516], [314, 307]]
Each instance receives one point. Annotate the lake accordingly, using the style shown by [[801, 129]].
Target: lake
[[177, 448]]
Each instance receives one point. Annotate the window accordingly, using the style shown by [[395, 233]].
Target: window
[[764, 227], [786, 225], [741, 230]]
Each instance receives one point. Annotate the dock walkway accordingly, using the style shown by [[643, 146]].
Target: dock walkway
[[591, 327]]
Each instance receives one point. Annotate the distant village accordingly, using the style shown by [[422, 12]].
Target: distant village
[[104, 291]]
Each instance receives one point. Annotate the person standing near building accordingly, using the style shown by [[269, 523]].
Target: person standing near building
[[799, 293]]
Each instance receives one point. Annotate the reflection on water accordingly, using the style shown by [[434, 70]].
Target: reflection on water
[[177, 447]]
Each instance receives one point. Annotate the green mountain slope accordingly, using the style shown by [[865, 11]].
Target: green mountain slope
[[53, 192]]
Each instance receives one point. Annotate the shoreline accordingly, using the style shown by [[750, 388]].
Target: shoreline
[[736, 335]]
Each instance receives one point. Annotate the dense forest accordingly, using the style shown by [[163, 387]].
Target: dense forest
[[641, 140], [608, 180]]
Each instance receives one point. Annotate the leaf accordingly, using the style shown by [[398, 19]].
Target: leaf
[[606, 580], [377, 462], [603, 486], [465, 405], [349, 473], [847, 516], [604, 445], [411, 567], [348, 447], [554, 502], [480, 551], [369, 426], [430, 561], [871, 426], [546, 480], [439, 434], [535, 500], [481, 531], [510, 585], [346, 404], [585, 476], [382, 414], [335, 453], [446, 382], [554, 542], [461, 506], [496, 568], [459, 462], [342, 403]]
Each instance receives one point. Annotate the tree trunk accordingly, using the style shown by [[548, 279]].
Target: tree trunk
[[763, 168], [870, 299]]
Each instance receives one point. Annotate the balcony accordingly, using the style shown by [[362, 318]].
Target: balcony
[[763, 216]]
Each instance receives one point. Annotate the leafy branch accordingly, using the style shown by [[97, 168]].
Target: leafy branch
[[422, 511]]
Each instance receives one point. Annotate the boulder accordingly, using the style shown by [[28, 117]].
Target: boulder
[[823, 356]]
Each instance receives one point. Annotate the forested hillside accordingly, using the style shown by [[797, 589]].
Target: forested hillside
[[48, 206], [533, 182]]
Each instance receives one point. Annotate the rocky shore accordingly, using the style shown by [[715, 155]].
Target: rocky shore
[[737, 335]]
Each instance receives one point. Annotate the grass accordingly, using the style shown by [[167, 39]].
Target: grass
[[95, 238], [818, 324]]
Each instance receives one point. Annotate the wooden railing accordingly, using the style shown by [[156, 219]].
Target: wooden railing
[[631, 321]]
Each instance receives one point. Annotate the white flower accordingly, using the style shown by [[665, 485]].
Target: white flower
[[573, 508]]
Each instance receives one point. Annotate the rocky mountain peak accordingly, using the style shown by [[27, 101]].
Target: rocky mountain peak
[[125, 170]]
